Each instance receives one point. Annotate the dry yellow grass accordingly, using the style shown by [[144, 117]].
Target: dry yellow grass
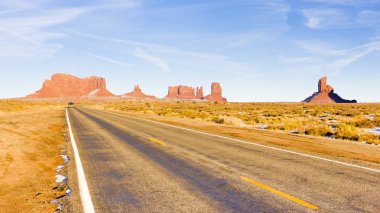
[[340, 121], [31, 138]]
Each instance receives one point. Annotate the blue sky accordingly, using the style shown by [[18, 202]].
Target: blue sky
[[260, 50]]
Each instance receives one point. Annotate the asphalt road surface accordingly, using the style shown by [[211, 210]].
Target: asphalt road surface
[[133, 165]]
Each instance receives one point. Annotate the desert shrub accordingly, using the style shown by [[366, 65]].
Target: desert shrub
[[230, 120], [346, 131], [149, 112], [370, 138], [319, 131], [292, 124], [376, 122], [364, 123], [218, 120]]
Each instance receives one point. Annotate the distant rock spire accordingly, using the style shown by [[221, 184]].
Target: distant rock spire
[[326, 94]]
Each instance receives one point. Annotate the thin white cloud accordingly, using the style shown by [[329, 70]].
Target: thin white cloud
[[160, 63], [22, 4], [31, 35], [299, 60], [242, 40], [345, 2], [30, 26], [150, 46], [337, 14], [34, 24], [120, 4], [352, 55], [107, 59], [333, 60], [317, 47], [189, 59], [326, 18]]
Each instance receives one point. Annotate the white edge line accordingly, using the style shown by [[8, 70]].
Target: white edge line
[[252, 143], [85, 196]]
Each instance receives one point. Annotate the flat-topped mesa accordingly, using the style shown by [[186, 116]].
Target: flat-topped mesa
[[326, 94], [137, 94], [180, 92], [216, 93], [68, 86]]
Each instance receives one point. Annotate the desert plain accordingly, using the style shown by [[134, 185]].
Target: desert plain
[[32, 135]]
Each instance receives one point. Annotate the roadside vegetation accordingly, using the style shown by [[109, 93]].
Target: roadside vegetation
[[354, 122]]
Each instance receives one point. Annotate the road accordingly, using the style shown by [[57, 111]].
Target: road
[[135, 165]]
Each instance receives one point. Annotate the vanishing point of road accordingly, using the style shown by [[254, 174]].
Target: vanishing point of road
[[136, 165]]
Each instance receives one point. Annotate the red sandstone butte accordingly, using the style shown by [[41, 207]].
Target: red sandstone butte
[[68, 86], [189, 93], [199, 93], [181, 92], [138, 94], [216, 93], [326, 95]]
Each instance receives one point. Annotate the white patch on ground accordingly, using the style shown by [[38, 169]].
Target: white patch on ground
[[375, 131], [60, 178], [68, 192], [370, 117], [59, 168], [65, 158], [262, 126]]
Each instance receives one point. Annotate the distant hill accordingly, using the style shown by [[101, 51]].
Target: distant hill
[[326, 94]]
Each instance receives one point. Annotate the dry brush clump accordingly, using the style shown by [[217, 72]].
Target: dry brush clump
[[8, 106], [340, 121]]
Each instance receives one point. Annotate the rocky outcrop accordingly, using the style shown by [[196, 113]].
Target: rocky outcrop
[[199, 93], [68, 86], [172, 92], [189, 93], [326, 94], [323, 87], [137, 94], [216, 93], [181, 92]]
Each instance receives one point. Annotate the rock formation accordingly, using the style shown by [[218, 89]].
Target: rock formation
[[181, 92], [323, 87], [326, 94], [199, 93], [137, 94], [189, 93], [68, 86], [216, 93]]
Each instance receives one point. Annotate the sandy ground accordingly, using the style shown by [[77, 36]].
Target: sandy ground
[[30, 146]]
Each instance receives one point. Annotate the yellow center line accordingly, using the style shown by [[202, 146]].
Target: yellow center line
[[282, 194], [155, 140]]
